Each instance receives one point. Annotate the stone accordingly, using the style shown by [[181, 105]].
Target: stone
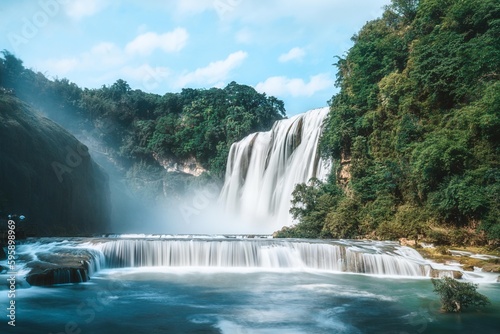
[[406, 242], [61, 267], [57, 276], [438, 273], [52, 179], [3, 256]]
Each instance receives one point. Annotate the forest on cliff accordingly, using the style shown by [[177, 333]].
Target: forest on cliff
[[145, 134], [414, 131]]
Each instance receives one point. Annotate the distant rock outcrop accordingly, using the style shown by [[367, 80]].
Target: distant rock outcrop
[[48, 175]]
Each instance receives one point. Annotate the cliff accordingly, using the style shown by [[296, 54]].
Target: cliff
[[47, 175]]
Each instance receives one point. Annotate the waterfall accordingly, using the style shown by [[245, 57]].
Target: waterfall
[[264, 167], [77, 260], [376, 259]]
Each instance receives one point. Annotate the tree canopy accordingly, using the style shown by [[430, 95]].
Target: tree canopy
[[415, 125], [138, 126]]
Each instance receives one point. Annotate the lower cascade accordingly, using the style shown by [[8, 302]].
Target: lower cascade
[[263, 168], [354, 257], [73, 261]]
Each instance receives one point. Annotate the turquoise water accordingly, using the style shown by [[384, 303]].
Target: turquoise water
[[203, 300]]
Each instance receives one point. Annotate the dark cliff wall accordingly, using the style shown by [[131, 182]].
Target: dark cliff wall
[[48, 175]]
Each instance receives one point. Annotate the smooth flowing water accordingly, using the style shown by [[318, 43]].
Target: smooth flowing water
[[171, 284], [264, 167]]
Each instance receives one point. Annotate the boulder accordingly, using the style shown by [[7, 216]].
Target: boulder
[[48, 175], [60, 267], [439, 273], [52, 276], [406, 242]]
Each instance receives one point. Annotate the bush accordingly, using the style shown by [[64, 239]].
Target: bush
[[456, 296], [343, 223]]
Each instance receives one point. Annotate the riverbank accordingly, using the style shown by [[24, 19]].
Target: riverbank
[[470, 258]]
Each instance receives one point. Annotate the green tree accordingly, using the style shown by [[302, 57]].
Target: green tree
[[457, 296], [415, 125]]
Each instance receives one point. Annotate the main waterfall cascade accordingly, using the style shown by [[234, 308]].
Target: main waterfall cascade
[[264, 167]]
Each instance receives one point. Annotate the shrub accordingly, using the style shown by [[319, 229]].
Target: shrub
[[456, 296]]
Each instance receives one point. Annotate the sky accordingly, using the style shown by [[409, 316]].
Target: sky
[[284, 48]]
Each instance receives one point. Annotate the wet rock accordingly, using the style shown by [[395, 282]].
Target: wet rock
[[498, 279], [406, 242], [468, 267], [3, 256], [60, 267], [438, 273], [57, 276]]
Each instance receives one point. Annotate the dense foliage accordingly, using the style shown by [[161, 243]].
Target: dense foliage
[[415, 127], [457, 296], [137, 129]]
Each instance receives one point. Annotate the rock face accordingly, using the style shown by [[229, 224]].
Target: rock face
[[188, 166], [48, 175]]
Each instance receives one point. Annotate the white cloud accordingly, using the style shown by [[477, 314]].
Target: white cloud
[[244, 36], [194, 6], [78, 9], [147, 76], [145, 72], [312, 12], [148, 42], [281, 85], [59, 67], [293, 54], [103, 55], [215, 72]]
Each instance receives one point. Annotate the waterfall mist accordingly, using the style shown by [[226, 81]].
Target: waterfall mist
[[262, 171]]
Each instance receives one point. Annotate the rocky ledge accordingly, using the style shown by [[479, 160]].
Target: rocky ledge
[[62, 266], [469, 258]]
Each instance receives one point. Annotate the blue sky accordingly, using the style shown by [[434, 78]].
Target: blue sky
[[284, 48]]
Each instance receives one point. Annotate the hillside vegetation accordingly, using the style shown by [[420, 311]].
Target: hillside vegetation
[[414, 131], [141, 132]]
